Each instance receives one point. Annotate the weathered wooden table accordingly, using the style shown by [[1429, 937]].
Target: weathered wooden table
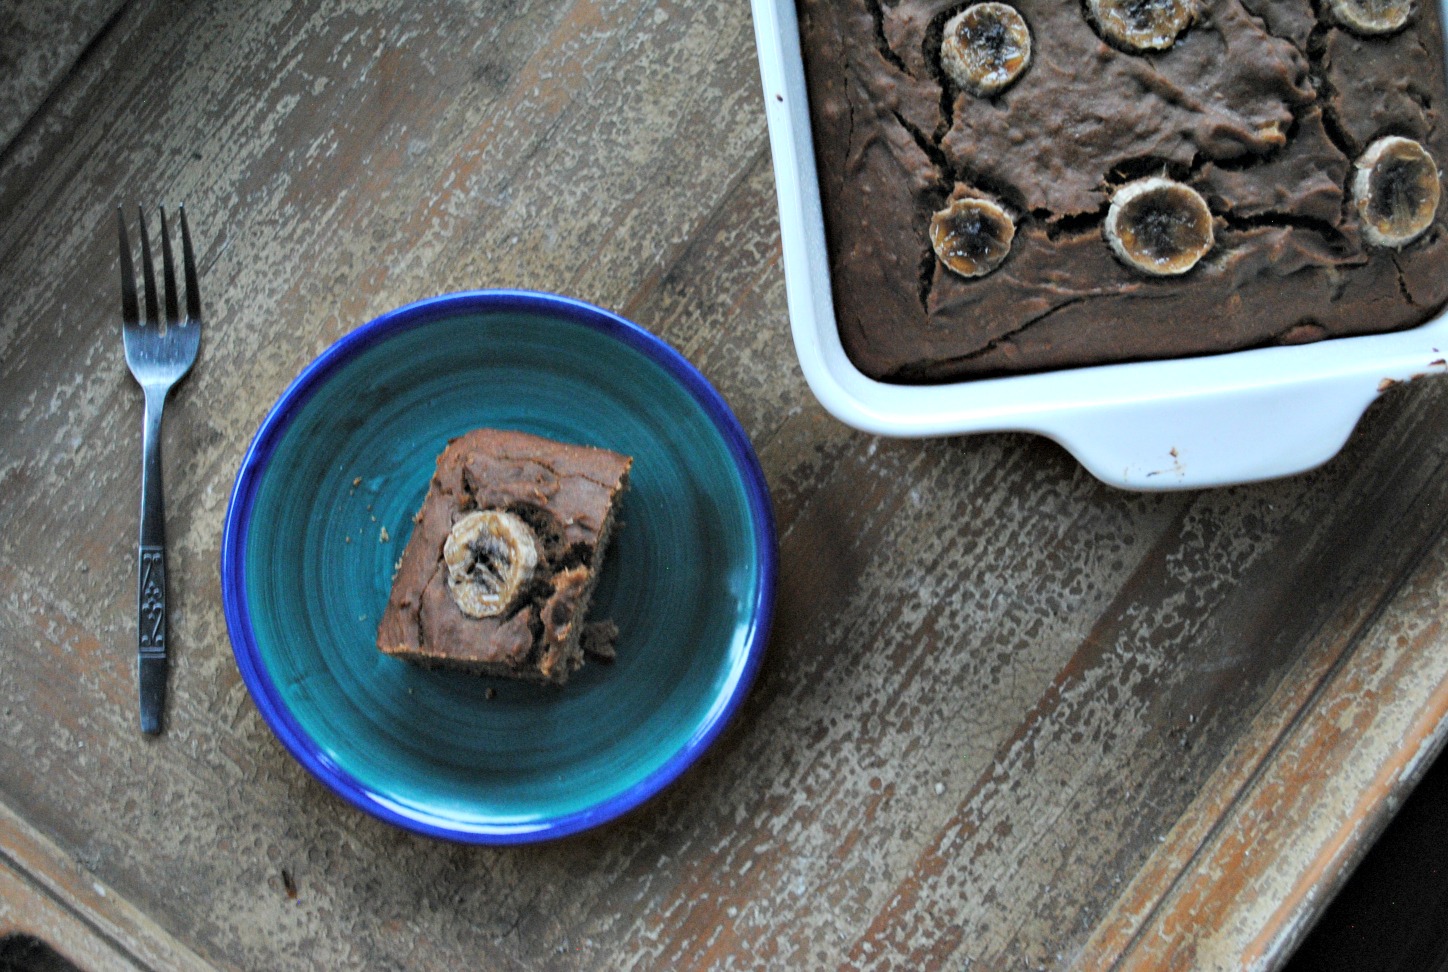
[[1009, 717]]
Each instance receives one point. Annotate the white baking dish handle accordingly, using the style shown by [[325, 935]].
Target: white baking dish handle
[[1178, 424]]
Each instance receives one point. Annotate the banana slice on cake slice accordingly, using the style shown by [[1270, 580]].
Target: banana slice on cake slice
[[1143, 25], [1159, 226], [1371, 16], [490, 557], [986, 47], [1395, 188], [972, 236]]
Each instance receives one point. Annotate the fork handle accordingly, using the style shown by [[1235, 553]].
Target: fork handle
[[151, 578]]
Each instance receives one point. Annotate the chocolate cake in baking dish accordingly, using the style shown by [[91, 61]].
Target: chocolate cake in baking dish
[[1044, 184]]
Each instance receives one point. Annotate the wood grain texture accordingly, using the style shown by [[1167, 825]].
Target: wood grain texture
[[1009, 718], [40, 42], [47, 895]]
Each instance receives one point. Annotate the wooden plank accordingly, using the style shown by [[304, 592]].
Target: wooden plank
[[1193, 905], [492, 144], [47, 894], [26, 911]]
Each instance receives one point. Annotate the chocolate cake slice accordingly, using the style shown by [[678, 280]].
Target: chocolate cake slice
[[504, 556]]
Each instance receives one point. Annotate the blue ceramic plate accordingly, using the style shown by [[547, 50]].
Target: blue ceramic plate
[[323, 506]]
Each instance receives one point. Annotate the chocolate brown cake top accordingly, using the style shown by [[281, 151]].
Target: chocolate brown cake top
[[1260, 108], [560, 496]]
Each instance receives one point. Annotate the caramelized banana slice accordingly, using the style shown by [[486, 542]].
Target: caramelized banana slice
[[1395, 188], [1372, 16], [1159, 226], [972, 236], [986, 47], [1143, 25], [490, 556]]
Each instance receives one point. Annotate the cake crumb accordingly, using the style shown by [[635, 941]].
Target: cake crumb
[[383, 537], [598, 640], [356, 481], [939, 789]]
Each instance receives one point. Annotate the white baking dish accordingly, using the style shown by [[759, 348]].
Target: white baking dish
[[1177, 424]]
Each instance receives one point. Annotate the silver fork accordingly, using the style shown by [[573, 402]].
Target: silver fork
[[159, 352]]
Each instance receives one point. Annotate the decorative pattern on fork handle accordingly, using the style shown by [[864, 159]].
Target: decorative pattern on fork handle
[[151, 611]]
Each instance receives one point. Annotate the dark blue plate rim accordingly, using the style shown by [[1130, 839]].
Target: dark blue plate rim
[[248, 480]]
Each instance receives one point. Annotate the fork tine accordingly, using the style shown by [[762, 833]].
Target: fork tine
[[168, 273], [188, 266], [130, 311], [148, 273]]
